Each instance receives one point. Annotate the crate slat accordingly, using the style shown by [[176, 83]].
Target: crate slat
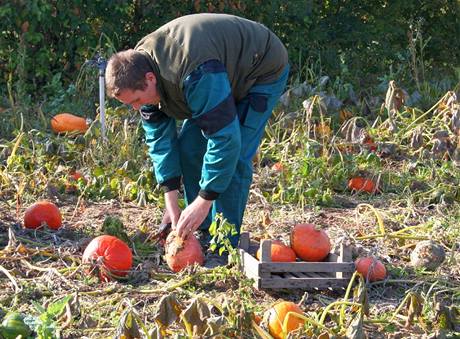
[[310, 283], [306, 267]]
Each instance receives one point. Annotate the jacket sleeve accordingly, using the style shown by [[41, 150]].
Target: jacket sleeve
[[208, 94], [161, 138]]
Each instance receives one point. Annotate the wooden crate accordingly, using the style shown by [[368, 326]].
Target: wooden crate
[[335, 272]]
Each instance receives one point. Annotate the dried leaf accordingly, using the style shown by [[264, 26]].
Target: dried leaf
[[215, 324], [355, 330], [441, 143], [455, 120], [387, 149], [12, 242], [323, 130], [285, 99], [447, 318], [308, 106], [344, 115], [414, 308], [360, 297], [351, 131], [196, 316], [456, 155], [417, 138], [265, 219], [168, 311], [156, 333], [301, 90], [128, 327], [393, 101]]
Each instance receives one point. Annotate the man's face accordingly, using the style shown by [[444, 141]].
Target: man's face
[[138, 98]]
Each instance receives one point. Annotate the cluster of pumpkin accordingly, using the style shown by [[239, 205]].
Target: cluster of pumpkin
[[312, 244], [309, 244], [106, 254], [109, 256]]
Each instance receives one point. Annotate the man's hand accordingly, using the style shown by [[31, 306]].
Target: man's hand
[[172, 212], [192, 216]]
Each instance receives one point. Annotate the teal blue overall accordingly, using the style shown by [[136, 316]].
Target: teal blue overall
[[253, 113]]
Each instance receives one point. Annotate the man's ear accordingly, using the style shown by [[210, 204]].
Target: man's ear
[[150, 76]]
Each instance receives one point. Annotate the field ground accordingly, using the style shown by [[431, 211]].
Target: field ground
[[46, 268], [411, 155]]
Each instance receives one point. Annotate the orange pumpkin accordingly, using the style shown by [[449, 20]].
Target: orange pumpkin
[[180, 253], [310, 243], [279, 252], [76, 175], [43, 212], [276, 316], [369, 143], [66, 122], [371, 268], [361, 184], [73, 177], [109, 256], [278, 167]]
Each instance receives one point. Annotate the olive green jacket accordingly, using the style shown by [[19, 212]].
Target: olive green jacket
[[250, 52]]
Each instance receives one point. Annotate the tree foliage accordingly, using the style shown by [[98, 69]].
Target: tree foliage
[[44, 42]]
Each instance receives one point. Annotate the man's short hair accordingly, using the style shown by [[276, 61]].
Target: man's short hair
[[126, 70]]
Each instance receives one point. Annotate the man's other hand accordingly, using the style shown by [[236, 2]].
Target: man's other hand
[[192, 216]]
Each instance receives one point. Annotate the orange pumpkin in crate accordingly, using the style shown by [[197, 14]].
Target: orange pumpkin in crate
[[309, 242], [180, 253], [41, 213], [109, 256], [66, 122], [279, 252], [278, 313], [371, 268]]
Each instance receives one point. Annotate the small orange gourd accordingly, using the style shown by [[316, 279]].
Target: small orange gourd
[[76, 175], [371, 268], [309, 242], [369, 143], [180, 253], [278, 313], [66, 122], [361, 184], [41, 213], [278, 167], [279, 252], [72, 179]]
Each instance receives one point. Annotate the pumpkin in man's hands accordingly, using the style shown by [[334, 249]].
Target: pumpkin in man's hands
[[180, 253]]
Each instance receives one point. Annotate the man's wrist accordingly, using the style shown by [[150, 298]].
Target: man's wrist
[[208, 195], [171, 184], [171, 198]]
